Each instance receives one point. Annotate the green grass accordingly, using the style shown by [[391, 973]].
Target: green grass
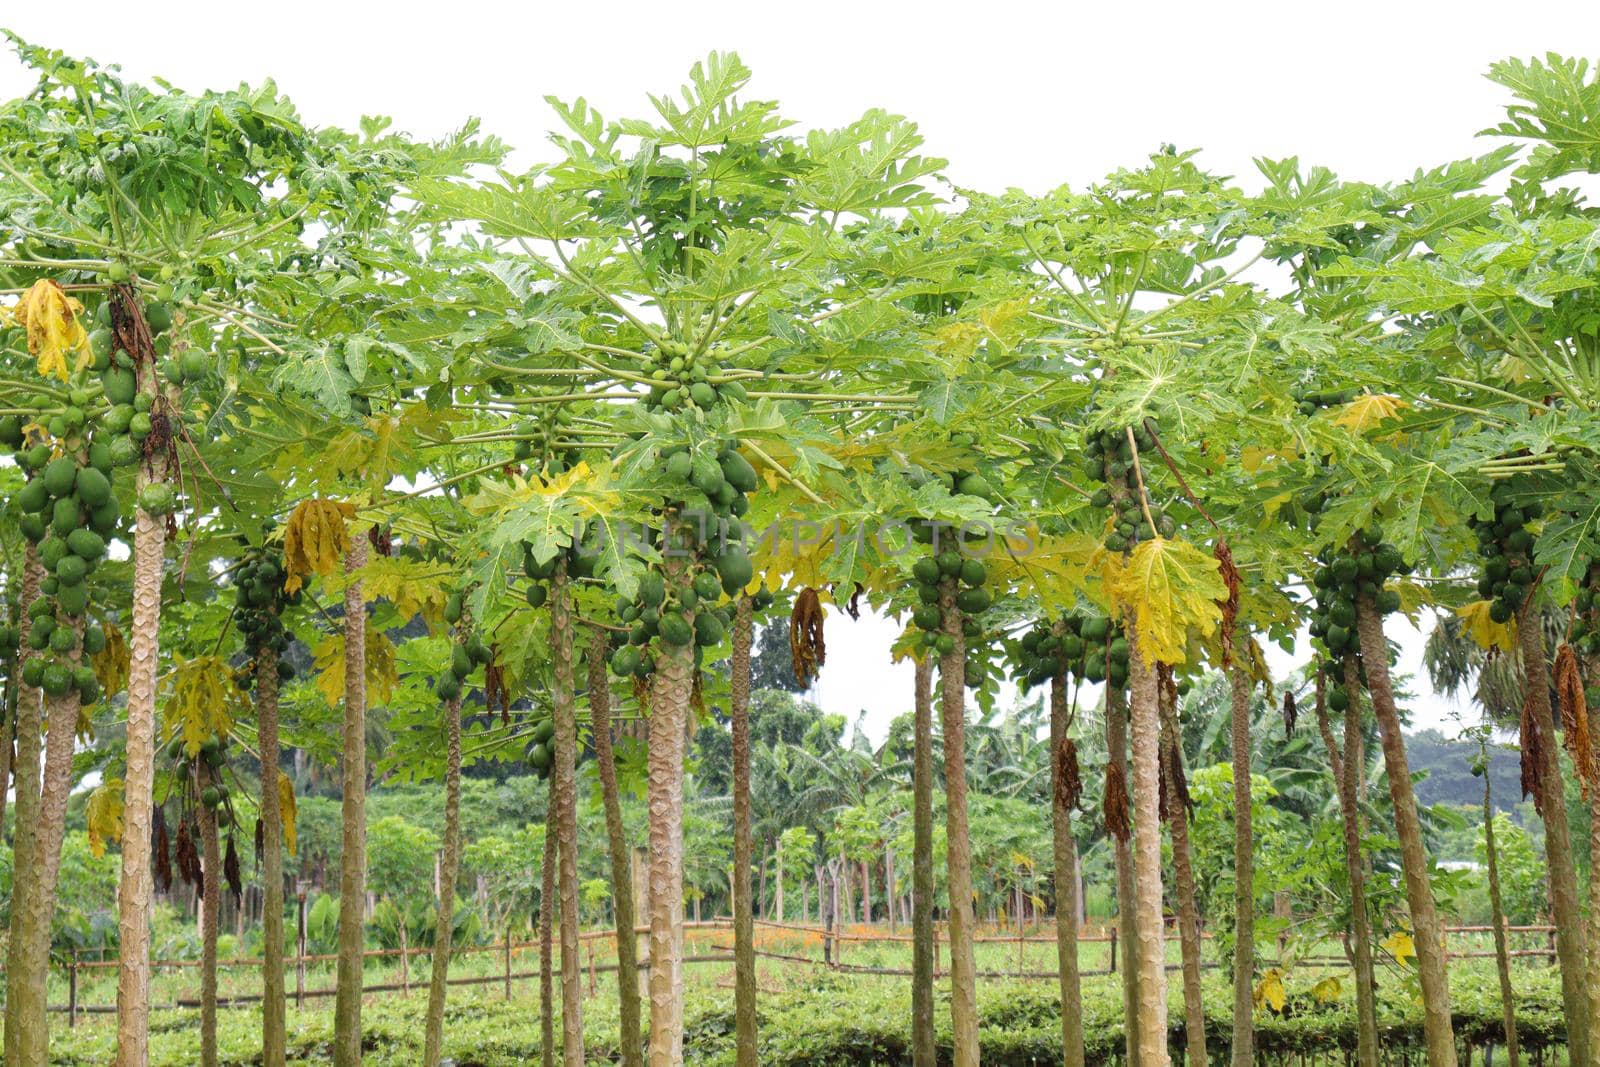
[[811, 1017]]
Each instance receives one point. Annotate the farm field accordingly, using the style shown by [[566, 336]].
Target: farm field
[[1147, 617]]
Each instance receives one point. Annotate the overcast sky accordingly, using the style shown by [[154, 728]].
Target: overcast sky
[[1012, 94]]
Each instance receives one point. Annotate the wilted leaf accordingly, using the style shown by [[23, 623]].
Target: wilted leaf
[[1368, 410], [198, 704], [1269, 992], [1483, 629], [1165, 588], [54, 333], [287, 811], [1328, 990], [103, 813], [111, 663], [382, 675], [315, 539], [1400, 946]]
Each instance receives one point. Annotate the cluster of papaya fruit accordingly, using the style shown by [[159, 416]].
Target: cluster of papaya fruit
[[1089, 647], [546, 441], [682, 379], [1109, 458], [1506, 546], [964, 577], [1310, 401], [1360, 568], [725, 478], [541, 753], [678, 614], [259, 605], [213, 755], [58, 675], [466, 655], [580, 564]]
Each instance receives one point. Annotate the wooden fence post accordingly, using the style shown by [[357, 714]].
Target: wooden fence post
[[300, 948], [1113, 949], [508, 960], [405, 962], [72, 990]]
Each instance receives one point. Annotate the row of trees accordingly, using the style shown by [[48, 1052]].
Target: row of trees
[[335, 383]]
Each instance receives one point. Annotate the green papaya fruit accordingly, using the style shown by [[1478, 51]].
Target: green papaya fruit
[[652, 590], [706, 476], [545, 731], [708, 629], [973, 572], [65, 516], [452, 608], [94, 488], [973, 600], [460, 662], [33, 497], [60, 475], [157, 499], [120, 385], [735, 569], [927, 617], [674, 629]]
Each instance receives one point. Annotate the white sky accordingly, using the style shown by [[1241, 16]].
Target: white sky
[[1013, 94]]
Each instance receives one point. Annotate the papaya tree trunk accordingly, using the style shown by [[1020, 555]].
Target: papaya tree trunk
[[135, 888], [353, 861], [924, 1050], [1065, 847], [744, 946], [1564, 907], [13, 694], [20, 1010], [272, 999], [1593, 941], [622, 905], [564, 792], [1194, 1011], [1122, 861], [1497, 915], [449, 869], [671, 689], [210, 915], [1438, 1034], [547, 900], [1144, 715], [1244, 884], [1347, 771], [953, 708]]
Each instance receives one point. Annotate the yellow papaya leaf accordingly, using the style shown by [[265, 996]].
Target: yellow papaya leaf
[[1482, 628], [287, 811], [315, 540], [1269, 992], [414, 587], [198, 705], [111, 662], [1165, 587], [54, 333], [1328, 990], [1400, 946], [382, 674], [1368, 410], [103, 813]]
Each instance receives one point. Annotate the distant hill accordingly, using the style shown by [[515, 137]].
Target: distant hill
[[1449, 766]]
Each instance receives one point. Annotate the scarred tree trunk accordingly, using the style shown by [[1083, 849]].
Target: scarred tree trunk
[[1426, 934], [28, 983], [1497, 915], [1122, 860], [449, 869], [744, 947], [621, 876], [1194, 1012], [144, 646], [353, 862], [20, 1011], [210, 915], [1564, 907], [1347, 770], [547, 899], [272, 999], [924, 1052], [1149, 924], [1065, 848], [953, 709], [1244, 891], [671, 690], [564, 792]]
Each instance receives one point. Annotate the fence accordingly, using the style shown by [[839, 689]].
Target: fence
[[833, 941]]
